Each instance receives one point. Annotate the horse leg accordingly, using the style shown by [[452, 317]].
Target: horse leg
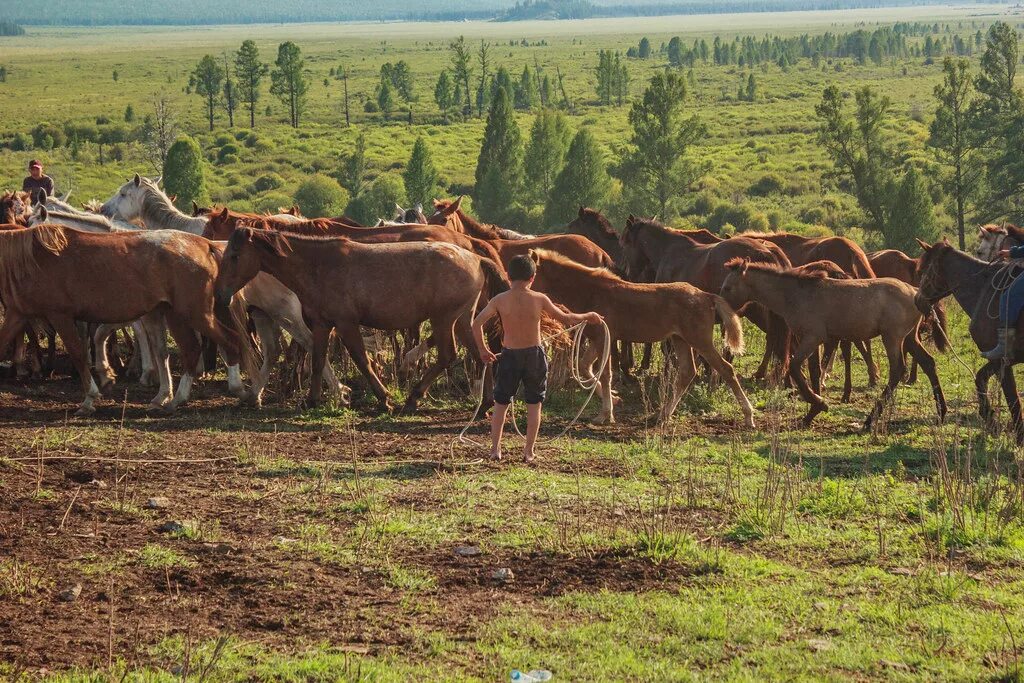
[[148, 360], [727, 372], [894, 351], [152, 335], [847, 350], [981, 379], [266, 330], [101, 362], [814, 369], [1009, 385], [20, 358], [927, 363], [864, 347], [444, 336], [352, 338], [686, 370], [191, 353], [79, 353], [805, 348], [11, 331], [912, 378]]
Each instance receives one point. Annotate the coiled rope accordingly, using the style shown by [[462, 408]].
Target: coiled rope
[[589, 384]]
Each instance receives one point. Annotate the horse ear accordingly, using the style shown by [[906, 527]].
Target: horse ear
[[456, 205], [195, 208], [945, 240], [582, 212], [294, 210], [159, 179], [535, 256], [924, 245], [43, 213], [137, 180], [224, 214]]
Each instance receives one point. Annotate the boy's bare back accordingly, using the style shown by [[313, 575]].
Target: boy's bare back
[[520, 309]]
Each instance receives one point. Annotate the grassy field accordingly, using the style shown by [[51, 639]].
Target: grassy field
[[334, 545]]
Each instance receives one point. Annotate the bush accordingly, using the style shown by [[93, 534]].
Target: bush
[[768, 184], [704, 204], [184, 174], [48, 136], [241, 135], [227, 159], [321, 196], [272, 203], [379, 201], [227, 150], [371, 107], [20, 142], [223, 139], [251, 138], [267, 182], [743, 217]]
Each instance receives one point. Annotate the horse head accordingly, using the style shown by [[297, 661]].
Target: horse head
[[991, 239], [126, 204], [446, 213], [221, 224], [247, 247], [736, 288], [635, 258]]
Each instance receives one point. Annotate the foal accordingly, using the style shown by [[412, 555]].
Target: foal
[[817, 308]]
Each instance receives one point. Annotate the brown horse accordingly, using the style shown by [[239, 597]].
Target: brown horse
[[895, 264], [646, 313], [343, 284], [64, 275], [818, 362], [450, 213], [595, 227], [15, 208], [818, 309], [660, 254]]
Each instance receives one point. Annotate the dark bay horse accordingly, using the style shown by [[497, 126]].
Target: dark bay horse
[[945, 271], [653, 252], [595, 227], [343, 284], [818, 309], [646, 313], [64, 275]]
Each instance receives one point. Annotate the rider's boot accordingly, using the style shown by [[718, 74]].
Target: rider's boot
[[1005, 347]]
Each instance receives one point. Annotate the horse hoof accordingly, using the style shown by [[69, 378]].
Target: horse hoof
[[409, 408], [85, 412], [168, 409], [749, 423]]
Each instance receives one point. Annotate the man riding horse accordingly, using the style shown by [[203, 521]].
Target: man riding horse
[[1011, 301]]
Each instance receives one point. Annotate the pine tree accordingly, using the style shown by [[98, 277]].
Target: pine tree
[[583, 181], [443, 94], [206, 79], [751, 93], [420, 176], [385, 98], [503, 80], [912, 216], [499, 166], [183, 173], [605, 77], [656, 167], [250, 72], [620, 85], [462, 71], [950, 136], [353, 171], [644, 50], [129, 114], [545, 153], [230, 94], [482, 92], [526, 91], [288, 81]]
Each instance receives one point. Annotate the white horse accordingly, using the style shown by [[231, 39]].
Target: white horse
[[272, 305]]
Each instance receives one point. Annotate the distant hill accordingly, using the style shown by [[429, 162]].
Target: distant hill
[[114, 12]]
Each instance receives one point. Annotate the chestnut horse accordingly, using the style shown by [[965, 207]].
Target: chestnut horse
[[646, 313], [817, 309], [661, 254], [343, 284], [15, 208], [50, 272], [450, 213]]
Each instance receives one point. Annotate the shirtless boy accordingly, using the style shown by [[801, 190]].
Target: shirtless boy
[[522, 358]]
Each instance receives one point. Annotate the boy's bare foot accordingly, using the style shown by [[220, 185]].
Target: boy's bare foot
[[496, 456]]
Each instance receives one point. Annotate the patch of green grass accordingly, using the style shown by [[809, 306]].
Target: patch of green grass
[[156, 556]]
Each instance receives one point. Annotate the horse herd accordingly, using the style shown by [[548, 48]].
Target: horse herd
[[138, 261]]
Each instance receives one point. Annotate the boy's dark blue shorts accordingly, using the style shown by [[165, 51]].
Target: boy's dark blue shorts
[[527, 366]]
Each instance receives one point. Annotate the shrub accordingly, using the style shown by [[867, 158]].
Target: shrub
[[227, 150], [768, 184], [267, 182], [743, 217], [371, 107], [228, 159], [379, 201], [241, 135], [20, 142], [320, 196], [184, 175], [272, 203], [704, 204], [45, 130], [223, 139]]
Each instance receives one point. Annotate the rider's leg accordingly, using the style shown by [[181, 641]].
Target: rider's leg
[[1010, 303]]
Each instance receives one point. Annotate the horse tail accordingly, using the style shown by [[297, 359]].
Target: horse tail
[[862, 266], [494, 277], [486, 249], [942, 338], [731, 327]]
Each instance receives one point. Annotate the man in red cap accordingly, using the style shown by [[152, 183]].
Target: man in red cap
[[37, 180]]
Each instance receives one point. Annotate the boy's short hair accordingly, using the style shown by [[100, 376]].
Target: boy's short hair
[[521, 268]]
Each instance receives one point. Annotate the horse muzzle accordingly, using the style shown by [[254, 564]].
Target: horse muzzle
[[923, 303]]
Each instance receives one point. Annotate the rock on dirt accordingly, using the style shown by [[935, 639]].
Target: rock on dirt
[[171, 528], [71, 593], [467, 551], [503, 575], [158, 503]]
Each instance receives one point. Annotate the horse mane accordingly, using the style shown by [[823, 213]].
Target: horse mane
[[314, 227], [774, 268], [488, 231], [548, 256], [95, 220], [17, 259], [158, 210]]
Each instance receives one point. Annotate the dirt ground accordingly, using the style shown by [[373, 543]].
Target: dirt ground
[[83, 522]]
